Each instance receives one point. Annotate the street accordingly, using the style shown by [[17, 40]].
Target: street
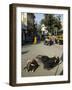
[[31, 51]]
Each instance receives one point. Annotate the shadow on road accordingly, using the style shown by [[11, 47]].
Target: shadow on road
[[25, 52], [61, 57], [61, 73]]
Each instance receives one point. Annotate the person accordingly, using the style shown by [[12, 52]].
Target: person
[[35, 40], [51, 42], [54, 39], [38, 38], [46, 41]]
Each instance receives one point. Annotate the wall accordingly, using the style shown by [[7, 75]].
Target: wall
[[4, 44]]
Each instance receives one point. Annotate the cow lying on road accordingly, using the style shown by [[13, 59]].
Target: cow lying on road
[[31, 65], [48, 62]]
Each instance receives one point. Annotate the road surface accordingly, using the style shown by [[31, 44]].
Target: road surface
[[31, 51]]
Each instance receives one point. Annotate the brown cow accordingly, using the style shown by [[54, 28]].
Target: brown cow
[[31, 65]]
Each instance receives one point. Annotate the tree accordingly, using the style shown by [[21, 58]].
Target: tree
[[42, 21], [52, 21]]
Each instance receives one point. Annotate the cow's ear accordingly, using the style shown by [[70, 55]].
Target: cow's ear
[[57, 58]]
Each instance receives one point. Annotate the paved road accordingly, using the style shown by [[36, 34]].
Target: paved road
[[31, 51]]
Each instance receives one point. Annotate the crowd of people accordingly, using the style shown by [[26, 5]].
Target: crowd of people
[[50, 40]]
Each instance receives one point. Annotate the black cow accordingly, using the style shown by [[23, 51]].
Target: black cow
[[49, 62]]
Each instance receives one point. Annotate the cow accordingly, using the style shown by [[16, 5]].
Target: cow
[[48, 62], [31, 65]]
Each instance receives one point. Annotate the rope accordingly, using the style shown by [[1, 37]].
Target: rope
[[58, 67]]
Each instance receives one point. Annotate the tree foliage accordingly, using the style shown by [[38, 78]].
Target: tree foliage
[[51, 22]]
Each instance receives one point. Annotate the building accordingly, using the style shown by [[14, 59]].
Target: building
[[27, 24]]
